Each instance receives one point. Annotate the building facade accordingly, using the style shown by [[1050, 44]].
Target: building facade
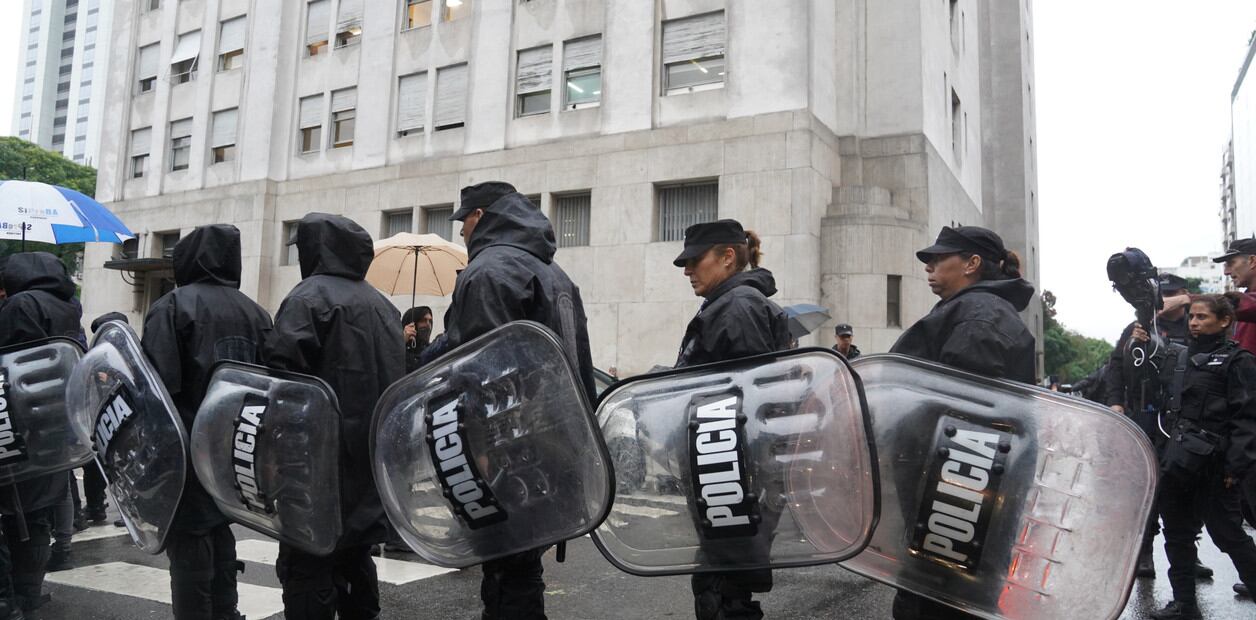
[[1211, 276], [846, 133], [1238, 189], [59, 98]]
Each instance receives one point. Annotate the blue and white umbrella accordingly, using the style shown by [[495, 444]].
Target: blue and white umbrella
[[54, 214], [805, 318]]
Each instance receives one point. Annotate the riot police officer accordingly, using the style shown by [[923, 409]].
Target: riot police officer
[[203, 321], [1212, 447], [975, 327], [736, 319]]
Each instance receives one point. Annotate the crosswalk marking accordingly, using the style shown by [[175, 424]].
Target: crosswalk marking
[[395, 572], [154, 584], [97, 532]]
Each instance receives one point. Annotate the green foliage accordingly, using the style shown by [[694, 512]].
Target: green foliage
[[20, 159], [1193, 285], [1070, 356]]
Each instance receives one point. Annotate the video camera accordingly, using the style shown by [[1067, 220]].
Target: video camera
[[1137, 280]]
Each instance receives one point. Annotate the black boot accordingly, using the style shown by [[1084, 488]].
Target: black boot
[[59, 560], [1201, 571], [1178, 610], [96, 514], [9, 611], [1146, 566]]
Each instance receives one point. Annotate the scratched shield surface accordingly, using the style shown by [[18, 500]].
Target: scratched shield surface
[[38, 434], [755, 463], [491, 450], [1001, 499], [266, 447]]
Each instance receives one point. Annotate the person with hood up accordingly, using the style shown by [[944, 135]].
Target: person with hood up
[[337, 327], [417, 326], [975, 327], [721, 260], [206, 319], [511, 276], [40, 304]]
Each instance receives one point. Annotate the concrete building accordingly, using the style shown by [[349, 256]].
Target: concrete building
[[1239, 166], [845, 132], [1211, 275], [59, 97]]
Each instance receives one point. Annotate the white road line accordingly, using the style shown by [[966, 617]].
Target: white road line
[[643, 511], [395, 572], [154, 584], [97, 532]]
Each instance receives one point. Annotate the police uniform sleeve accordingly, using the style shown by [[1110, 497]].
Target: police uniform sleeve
[[161, 343], [294, 343], [20, 321], [1241, 396], [1114, 378], [485, 299], [977, 346]]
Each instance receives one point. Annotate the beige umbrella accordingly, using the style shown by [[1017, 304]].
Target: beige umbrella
[[410, 263]]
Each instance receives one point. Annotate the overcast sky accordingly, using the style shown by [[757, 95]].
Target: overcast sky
[[1133, 118]]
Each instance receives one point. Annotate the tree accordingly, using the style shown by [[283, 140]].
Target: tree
[[1069, 355], [24, 160]]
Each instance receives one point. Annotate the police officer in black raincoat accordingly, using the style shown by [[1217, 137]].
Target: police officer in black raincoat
[[736, 320], [975, 327], [337, 327], [203, 321], [40, 304], [511, 276]]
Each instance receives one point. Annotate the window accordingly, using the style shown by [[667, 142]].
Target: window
[[693, 53], [683, 205], [436, 221], [893, 301], [571, 220], [349, 23], [411, 103], [957, 127], [535, 199], [344, 114], [418, 13], [317, 14], [152, 5], [140, 141], [955, 18], [396, 222], [231, 44], [223, 139], [451, 97], [166, 242], [310, 122], [532, 80], [582, 72], [183, 61], [456, 9], [180, 143], [146, 67], [288, 253]]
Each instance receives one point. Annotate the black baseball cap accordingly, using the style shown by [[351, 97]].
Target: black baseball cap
[[843, 329], [480, 196], [701, 237], [1171, 282], [1238, 248], [980, 241]]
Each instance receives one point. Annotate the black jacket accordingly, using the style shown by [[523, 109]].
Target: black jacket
[[978, 330], [736, 320], [511, 276], [1121, 376], [1219, 395], [335, 326], [853, 352], [203, 321], [40, 304]]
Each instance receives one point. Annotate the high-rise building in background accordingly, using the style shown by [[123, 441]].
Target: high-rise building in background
[[1238, 169], [64, 58], [847, 133]]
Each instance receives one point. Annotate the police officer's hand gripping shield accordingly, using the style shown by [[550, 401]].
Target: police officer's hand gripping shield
[[140, 441], [491, 450], [266, 447], [38, 433], [1003, 500], [763, 462]]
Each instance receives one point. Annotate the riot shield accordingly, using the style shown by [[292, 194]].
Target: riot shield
[[140, 442], [1001, 499], [491, 450], [762, 462], [37, 432], [266, 447]]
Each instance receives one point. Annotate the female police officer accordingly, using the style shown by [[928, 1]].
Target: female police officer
[[975, 327], [1211, 448], [721, 260]]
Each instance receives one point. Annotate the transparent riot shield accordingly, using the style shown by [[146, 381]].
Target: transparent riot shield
[[1001, 499], [763, 462], [140, 442], [266, 446], [491, 450], [37, 432]]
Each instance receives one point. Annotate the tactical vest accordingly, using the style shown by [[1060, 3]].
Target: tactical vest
[[1204, 388]]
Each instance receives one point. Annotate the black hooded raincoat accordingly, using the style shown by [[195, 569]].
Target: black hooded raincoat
[[336, 326], [203, 321], [736, 320]]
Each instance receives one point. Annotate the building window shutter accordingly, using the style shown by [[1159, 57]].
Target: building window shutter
[[451, 96], [316, 21], [224, 128], [437, 222], [681, 206], [181, 129], [571, 219], [312, 111], [533, 72], [141, 141], [149, 56], [350, 15], [189, 47], [691, 38], [346, 99], [411, 101], [232, 37], [582, 53]]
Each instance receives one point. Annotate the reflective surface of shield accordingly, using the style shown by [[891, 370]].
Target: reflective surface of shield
[[1001, 499], [141, 445], [266, 446], [490, 450], [755, 463], [37, 432]]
